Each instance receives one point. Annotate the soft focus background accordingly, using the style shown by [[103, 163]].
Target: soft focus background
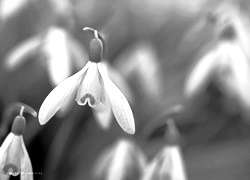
[[153, 45]]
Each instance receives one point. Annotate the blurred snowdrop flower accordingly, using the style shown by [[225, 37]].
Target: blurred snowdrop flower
[[123, 161], [10, 8], [168, 163], [58, 48], [9, 113], [14, 158], [227, 64], [140, 59], [93, 86]]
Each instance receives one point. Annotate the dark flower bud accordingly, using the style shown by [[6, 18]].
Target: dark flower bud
[[18, 126], [95, 50]]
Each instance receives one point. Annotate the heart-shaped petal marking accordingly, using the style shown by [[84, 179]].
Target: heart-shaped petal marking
[[91, 87]]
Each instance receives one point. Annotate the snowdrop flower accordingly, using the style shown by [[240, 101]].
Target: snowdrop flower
[[9, 112], [168, 163], [122, 161], [61, 50], [93, 86], [139, 59], [14, 158], [227, 64]]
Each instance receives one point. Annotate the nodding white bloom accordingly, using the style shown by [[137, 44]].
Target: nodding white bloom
[[14, 158], [58, 48], [227, 64], [122, 161], [140, 59], [93, 86], [168, 163]]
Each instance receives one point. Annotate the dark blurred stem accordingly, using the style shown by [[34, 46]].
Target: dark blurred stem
[[62, 140]]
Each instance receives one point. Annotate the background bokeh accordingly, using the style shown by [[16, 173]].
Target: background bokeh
[[153, 45]]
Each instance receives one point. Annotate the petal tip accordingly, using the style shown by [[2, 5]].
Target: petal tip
[[42, 119], [130, 130]]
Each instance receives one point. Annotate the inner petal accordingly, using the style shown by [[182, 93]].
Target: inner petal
[[91, 88]]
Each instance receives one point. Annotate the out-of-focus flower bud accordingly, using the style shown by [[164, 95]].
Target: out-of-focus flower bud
[[168, 163], [123, 161]]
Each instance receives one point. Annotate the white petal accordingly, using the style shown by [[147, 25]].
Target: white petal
[[141, 62], [21, 53], [119, 104], [6, 143], [12, 154], [172, 165], [148, 69], [91, 87], [103, 115], [57, 54], [26, 167], [118, 79], [67, 106], [120, 161], [199, 77], [149, 171], [9, 8], [4, 147], [236, 80], [59, 95]]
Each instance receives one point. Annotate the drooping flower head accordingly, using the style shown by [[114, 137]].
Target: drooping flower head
[[168, 163], [91, 86], [123, 161], [227, 63], [14, 158]]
